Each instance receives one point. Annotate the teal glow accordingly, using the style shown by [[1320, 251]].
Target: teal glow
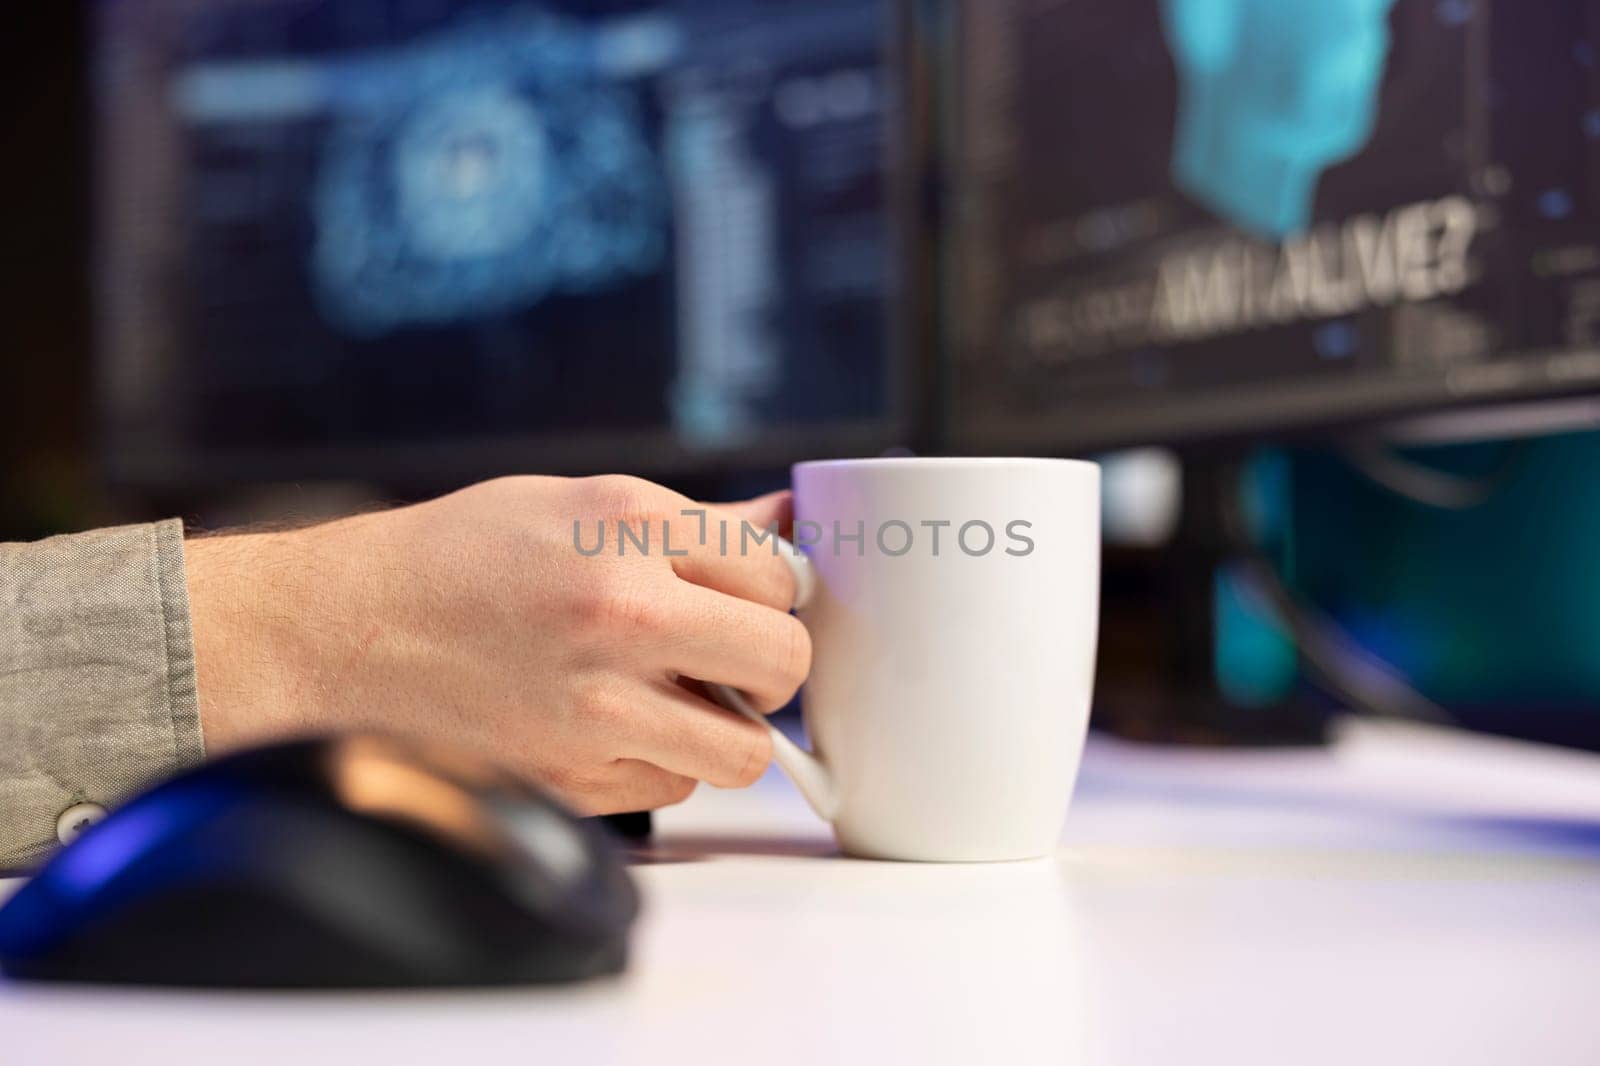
[[1253, 658], [1271, 93]]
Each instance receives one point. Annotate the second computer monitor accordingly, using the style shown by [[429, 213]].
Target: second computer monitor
[[1177, 219]]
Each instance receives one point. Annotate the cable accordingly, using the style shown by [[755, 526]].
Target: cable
[[1339, 664], [1429, 486]]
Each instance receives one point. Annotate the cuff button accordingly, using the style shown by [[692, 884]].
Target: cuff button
[[75, 819]]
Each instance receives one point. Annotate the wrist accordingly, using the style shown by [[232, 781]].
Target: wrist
[[243, 616]]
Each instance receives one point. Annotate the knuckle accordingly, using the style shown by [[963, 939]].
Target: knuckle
[[656, 788], [596, 707], [794, 657], [777, 586], [592, 596], [612, 603], [789, 656], [758, 755], [680, 789], [623, 495], [630, 608], [569, 782]]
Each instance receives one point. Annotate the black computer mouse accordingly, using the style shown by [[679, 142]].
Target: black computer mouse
[[352, 862]]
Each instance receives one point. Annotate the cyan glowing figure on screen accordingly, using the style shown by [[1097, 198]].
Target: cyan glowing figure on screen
[[1270, 94]]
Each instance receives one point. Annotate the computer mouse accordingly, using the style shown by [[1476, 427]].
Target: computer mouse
[[360, 861]]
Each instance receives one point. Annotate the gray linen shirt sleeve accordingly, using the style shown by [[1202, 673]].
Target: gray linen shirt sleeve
[[97, 680]]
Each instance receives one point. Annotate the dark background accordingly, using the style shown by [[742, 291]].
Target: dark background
[[44, 327]]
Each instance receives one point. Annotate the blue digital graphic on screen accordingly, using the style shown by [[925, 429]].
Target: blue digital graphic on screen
[[1271, 93], [511, 171], [485, 220], [470, 172]]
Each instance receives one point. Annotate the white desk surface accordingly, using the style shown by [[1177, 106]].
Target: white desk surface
[[1409, 896]]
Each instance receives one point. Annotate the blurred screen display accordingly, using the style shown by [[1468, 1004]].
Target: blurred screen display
[[1178, 218], [628, 231]]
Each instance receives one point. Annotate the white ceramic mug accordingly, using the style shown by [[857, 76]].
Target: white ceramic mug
[[954, 649]]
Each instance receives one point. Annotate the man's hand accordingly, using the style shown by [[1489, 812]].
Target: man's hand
[[476, 618]]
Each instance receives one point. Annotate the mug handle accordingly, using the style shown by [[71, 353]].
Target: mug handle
[[813, 779]]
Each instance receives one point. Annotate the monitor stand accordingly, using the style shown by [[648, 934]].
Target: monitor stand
[[1157, 675]]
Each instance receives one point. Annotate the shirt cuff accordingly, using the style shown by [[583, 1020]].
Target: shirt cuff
[[97, 677]]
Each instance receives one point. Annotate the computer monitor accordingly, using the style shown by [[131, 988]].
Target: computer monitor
[[395, 240], [1172, 220]]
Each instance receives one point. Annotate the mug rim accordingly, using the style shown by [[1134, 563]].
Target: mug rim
[[949, 461]]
